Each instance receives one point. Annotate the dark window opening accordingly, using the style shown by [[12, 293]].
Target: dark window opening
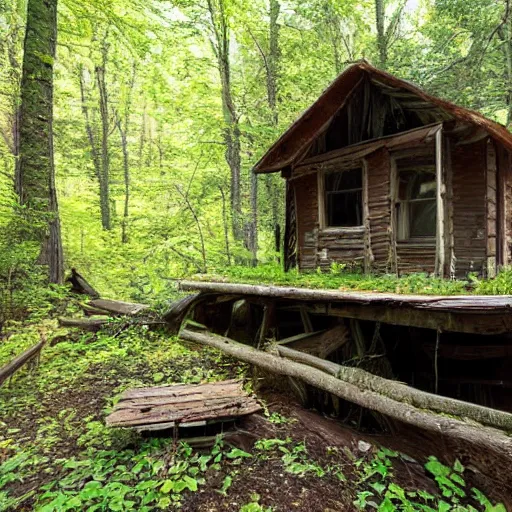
[[417, 207], [344, 198]]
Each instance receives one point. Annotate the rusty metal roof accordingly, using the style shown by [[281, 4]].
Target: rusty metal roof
[[292, 144]]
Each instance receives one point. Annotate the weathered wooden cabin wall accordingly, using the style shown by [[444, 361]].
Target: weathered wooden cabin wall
[[469, 164], [379, 207], [472, 213]]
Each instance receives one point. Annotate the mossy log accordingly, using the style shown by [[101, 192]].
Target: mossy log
[[491, 439], [403, 393]]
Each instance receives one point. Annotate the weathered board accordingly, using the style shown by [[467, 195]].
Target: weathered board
[[183, 405]]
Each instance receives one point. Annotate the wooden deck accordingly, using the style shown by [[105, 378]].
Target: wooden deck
[[476, 314], [159, 408]]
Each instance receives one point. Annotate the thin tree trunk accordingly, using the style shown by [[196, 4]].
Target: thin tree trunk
[[231, 132], [36, 170], [225, 223], [507, 45], [380, 14], [123, 132], [104, 177]]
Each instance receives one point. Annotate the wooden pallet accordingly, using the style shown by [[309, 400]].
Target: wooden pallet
[[182, 405]]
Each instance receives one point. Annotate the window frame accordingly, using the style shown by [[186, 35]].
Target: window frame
[[347, 165], [418, 241]]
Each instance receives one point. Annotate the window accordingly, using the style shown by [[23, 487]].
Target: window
[[416, 206], [344, 198]]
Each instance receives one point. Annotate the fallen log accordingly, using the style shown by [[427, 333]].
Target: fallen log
[[118, 307], [491, 439], [403, 393], [80, 285], [92, 311], [11, 368], [87, 324]]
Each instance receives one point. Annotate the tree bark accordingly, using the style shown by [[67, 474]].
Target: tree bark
[[397, 391], [496, 441], [36, 170], [382, 46], [104, 177], [123, 127], [219, 25]]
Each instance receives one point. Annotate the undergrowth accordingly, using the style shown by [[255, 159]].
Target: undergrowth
[[340, 277]]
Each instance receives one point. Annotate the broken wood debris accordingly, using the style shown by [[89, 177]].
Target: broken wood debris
[[19, 361], [182, 405], [118, 307]]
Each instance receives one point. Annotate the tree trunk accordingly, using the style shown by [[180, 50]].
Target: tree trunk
[[123, 126], [493, 440], [380, 14], [272, 182], [231, 133], [36, 171], [104, 177]]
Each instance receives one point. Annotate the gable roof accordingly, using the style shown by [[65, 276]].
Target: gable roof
[[294, 141]]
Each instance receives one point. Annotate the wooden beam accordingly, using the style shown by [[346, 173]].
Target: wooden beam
[[491, 210], [440, 194], [403, 393], [319, 343], [410, 317], [491, 439], [19, 361]]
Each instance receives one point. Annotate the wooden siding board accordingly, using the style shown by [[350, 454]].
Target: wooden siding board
[[469, 206], [306, 194], [379, 207]]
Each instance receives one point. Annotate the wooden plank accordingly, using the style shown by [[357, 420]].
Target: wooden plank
[[167, 406], [181, 389], [320, 343], [490, 202], [440, 194], [489, 304], [18, 362], [118, 307]]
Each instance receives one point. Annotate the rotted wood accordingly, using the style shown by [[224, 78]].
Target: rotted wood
[[486, 324], [492, 439], [118, 307], [91, 311], [181, 405], [80, 285], [268, 323], [319, 343], [18, 362], [86, 324]]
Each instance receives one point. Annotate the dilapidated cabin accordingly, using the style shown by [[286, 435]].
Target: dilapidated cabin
[[382, 174]]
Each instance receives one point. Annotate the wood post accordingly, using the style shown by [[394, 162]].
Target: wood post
[[440, 194], [490, 203]]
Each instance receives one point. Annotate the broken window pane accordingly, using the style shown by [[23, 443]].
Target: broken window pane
[[344, 198]]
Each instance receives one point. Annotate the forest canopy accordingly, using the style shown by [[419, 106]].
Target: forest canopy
[[160, 110]]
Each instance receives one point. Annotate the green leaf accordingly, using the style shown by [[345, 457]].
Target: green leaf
[[236, 453], [167, 486], [191, 483]]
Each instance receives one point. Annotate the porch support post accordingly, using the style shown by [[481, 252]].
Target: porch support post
[[440, 194], [490, 199]]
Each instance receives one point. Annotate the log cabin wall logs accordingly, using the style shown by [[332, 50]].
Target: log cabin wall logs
[[478, 179]]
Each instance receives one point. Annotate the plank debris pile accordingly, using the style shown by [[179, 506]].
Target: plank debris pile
[[183, 405]]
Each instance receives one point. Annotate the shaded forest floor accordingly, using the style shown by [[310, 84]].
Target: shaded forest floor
[[56, 454]]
